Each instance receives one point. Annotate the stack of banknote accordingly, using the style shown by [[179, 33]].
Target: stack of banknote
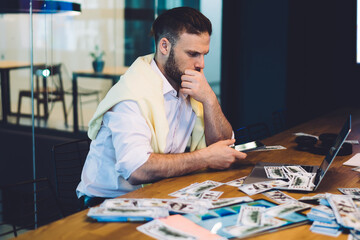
[[336, 213]]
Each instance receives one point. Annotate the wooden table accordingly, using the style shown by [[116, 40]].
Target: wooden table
[[78, 226], [5, 68], [112, 73]]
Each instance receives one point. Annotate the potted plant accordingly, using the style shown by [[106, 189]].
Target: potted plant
[[98, 62]]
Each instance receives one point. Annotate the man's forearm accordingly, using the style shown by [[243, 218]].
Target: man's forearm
[[217, 127], [160, 166]]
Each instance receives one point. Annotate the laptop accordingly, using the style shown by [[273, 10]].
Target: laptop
[[258, 173]]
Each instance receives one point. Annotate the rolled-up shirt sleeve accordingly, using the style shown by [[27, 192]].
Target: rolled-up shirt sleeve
[[131, 137]]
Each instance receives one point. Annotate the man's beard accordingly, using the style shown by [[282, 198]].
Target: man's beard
[[172, 70]]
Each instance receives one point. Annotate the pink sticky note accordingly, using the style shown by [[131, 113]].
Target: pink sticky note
[[182, 223]]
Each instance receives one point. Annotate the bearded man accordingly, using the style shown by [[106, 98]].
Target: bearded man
[[160, 107]]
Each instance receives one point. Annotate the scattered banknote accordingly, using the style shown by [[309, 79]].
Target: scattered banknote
[[275, 172], [222, 202], [202, 187], [182, 193], [153, 202], [334, 213], [356, 201], [250, 216], [354, 235], [255, 188], [298, 177], [345, 210], [316, 216], [278, 196], [195, 190], [211, 195], [185, 195], [332, 225], [121, 214], [174, 205], [302, 182], [182, 206], [133, 202], [160, 230], [350, 191], [330, 229], [316, 197], [268, 148], [324, 210], [287, 208], [295, 169], [244, 231], [321, 213], [237, 182], [325, 202]]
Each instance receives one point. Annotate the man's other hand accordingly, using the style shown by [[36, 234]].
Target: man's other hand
[[220, 155]]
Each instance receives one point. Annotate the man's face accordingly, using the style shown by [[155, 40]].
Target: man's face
[[188, 53]]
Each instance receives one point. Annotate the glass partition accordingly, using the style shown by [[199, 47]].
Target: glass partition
[[113, 32]]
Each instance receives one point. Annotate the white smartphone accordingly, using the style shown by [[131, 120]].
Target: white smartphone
[[249, 146]]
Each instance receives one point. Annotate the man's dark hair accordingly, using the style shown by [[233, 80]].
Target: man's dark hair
[[172, 23]]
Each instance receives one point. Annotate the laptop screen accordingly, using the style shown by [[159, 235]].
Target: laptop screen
[[334, 149]]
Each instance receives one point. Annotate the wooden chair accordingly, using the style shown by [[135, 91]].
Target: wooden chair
[[28, 205], [84, 92], [45, 92], [85, 95], [68, 160]]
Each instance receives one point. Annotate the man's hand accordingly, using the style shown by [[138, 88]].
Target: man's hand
[[220, 156], [195, 84]]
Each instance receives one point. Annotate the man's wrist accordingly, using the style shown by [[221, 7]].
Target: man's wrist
[[210, 100], [201, 157]]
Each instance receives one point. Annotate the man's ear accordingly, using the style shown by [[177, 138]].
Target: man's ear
[[164, 46]]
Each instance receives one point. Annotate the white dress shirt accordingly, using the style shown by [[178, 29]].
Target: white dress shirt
[[123, 143]]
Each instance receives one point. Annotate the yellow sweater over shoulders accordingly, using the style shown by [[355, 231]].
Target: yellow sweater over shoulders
[[143, 85]]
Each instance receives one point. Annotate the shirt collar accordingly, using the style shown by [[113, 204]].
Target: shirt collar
[[167, 88]]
